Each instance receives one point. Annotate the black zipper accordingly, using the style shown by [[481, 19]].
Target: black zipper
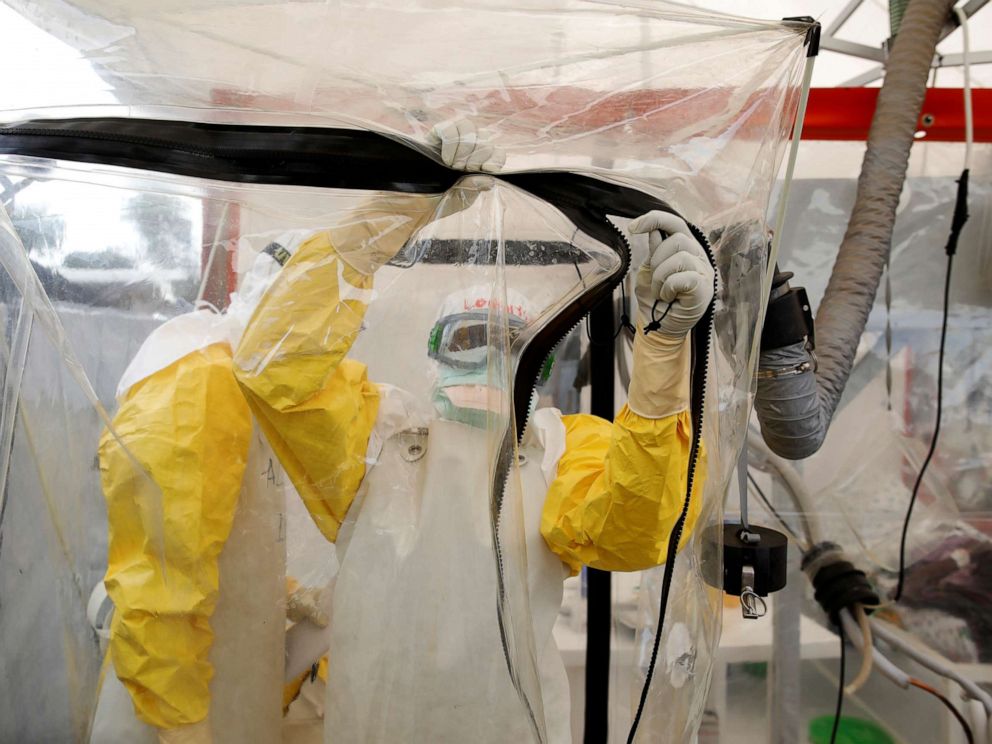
[[530, 363], [355, 159], [700, 345], [334, 158], [702, 335]]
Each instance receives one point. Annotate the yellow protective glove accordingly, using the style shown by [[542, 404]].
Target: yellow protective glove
[[659, 379]]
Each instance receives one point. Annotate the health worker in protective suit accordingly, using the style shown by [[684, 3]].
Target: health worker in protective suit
[[196, 573], [415, 650]]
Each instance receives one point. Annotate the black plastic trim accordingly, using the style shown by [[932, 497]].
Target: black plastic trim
[[297, 156], [813, 32], [788, 320]]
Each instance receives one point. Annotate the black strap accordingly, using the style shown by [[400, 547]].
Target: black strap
[[789, 320]]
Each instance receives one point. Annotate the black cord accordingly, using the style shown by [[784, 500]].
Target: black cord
[[968, 734], [840, 690], [655, 323], [936, 433], [701, 334], [674, 538], [958, 220], [623, 325]]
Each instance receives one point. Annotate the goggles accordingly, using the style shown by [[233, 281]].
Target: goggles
[[461, 341]]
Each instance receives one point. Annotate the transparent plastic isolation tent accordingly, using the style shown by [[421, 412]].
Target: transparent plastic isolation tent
[[881, 436], [218, 220], [855, 490]]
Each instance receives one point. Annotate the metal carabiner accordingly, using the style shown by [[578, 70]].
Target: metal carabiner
[[753, 606]]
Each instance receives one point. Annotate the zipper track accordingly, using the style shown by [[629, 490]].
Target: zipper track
[[702, 336], [701, 340], [545, 342], [214, 151]]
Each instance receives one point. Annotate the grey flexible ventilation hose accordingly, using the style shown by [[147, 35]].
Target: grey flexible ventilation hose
[[795, 410]]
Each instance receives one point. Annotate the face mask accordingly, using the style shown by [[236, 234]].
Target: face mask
[[464, 391], [449, 410], [473, 404], [467, 396]]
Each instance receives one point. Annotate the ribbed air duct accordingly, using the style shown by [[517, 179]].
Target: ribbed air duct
[[795, 409]]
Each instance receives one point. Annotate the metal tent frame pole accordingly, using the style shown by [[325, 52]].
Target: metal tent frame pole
[[599, 583]]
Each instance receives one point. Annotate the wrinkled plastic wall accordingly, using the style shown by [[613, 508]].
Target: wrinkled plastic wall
[[862, 479], [687, 106]]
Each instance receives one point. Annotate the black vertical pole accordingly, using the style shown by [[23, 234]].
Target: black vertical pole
[[598, 588]]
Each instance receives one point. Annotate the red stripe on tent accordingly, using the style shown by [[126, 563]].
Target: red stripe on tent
[[845, 114], [654, 115]]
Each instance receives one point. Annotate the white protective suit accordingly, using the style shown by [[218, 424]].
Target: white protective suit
[[414, 647]]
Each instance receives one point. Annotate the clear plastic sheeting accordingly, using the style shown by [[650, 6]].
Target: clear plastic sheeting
[[275, 396], [560, 84], [861, 481]]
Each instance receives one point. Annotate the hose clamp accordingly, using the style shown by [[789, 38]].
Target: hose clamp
[[807, 365]]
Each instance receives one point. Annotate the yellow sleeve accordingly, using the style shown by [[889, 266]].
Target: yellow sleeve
[[317, 408], [171, 497], [619, 490]]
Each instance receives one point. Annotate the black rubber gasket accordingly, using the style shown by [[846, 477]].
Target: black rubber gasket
[[287, 156]]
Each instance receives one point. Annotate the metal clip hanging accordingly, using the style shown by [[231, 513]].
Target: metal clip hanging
[[752, 604]]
